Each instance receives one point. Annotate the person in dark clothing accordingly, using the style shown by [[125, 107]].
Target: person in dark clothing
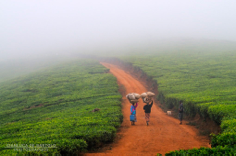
[[147, 109], [181, 111]]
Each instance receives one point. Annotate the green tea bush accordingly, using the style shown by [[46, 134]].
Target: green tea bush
[[204, 81], [55, 107], [224, 139], [216, 151]]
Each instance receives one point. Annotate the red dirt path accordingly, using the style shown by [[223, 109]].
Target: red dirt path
[[163, 134]]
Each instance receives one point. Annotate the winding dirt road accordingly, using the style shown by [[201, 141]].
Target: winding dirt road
[[164, 133]]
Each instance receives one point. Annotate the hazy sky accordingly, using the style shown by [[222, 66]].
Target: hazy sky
[[29, 27]]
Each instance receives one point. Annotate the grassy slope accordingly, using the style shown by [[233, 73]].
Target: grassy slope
[[10, 69], [206, 82], [54, 107]]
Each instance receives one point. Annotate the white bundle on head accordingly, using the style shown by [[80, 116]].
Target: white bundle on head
[[143, 95], [133, 97], [147, 96], [130, 96], [150, 94], [137, 96], [146, 100]]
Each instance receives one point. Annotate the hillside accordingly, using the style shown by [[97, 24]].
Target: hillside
[[204, 81], [13, 68], [54, 107]]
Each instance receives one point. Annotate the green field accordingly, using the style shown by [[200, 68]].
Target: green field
[[14, 68], [53, 108], [206, 82]]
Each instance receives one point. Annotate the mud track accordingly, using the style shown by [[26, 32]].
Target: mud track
[[163, 134]]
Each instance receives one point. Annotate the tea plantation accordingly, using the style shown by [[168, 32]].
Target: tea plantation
[[51, 111], [206, 82]]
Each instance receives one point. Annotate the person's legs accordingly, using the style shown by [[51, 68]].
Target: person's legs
[[147, 115], [180, 117], [135, 120]]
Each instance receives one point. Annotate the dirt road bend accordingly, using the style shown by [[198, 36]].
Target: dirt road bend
[[161, 136]]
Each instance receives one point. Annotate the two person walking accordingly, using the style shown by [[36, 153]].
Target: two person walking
[[147, 111], [146, 108]]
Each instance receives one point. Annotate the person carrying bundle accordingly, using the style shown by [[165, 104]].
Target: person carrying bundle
[[133, 99], [147, 98], [133, 112], [147, 110]]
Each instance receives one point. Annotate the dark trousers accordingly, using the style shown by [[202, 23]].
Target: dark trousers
[[180, 116]]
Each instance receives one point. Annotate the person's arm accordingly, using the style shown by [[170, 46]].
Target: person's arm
[[151, 103], [143, 100], [136, 105]]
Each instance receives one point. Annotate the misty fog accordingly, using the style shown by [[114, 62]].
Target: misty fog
[[31, 29]]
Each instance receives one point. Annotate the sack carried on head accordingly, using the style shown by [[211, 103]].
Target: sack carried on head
[[137, 96], [143, 95], [133, 97], [147, 100], [150, 94], [130, 96], [147, 94]]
